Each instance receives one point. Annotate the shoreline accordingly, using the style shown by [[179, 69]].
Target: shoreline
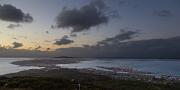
[[123, 74], [46, 62], [90, 79]]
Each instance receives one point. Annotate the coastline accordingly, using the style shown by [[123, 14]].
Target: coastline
[[47, 62], [111, 72], [90, 79]]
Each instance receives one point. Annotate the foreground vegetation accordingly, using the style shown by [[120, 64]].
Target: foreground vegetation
[[68, 79], [47, 83]]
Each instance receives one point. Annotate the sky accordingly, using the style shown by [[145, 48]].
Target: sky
[[52, 25]]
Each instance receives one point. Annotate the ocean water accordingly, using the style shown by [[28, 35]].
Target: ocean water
[[6, 67], [156, 66]]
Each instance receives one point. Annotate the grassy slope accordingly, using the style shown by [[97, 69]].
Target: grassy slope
[[65, 79], [45, 83]]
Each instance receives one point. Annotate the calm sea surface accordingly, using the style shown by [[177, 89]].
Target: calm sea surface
[[6, 66], [156, 66], [163, 66]]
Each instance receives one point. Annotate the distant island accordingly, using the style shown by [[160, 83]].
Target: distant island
[[64, 57]]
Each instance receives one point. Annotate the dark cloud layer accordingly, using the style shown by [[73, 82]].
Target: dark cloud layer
[[84, 18], [17, 45], [153, 48], [122, 36], [12, 14], [73, 35], [64, 41]]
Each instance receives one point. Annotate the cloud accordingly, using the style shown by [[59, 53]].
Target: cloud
[[15, 38], [12, 14], [164, 13], [47, 49], [12, 52], [121, 2], [37, 48], [12, 26], [153, 48], [73, 35], [64, 41], [19, 36], [17, 45], [84, 18], [47, 41], [52, 27], [122, 36], [47, 32]]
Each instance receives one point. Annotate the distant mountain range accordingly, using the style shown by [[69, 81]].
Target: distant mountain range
[[153, 48]]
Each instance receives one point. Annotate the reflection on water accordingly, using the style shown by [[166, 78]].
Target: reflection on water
[[6, 66], [168, 67]]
